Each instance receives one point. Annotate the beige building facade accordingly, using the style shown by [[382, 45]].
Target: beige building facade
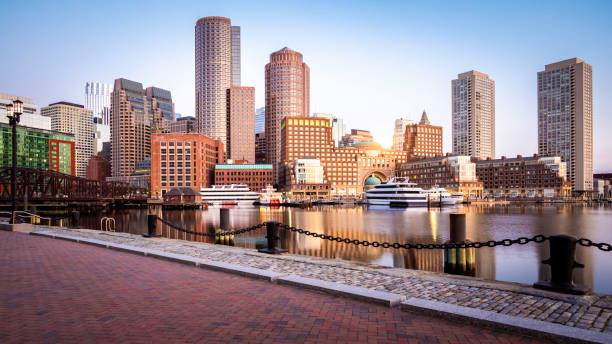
[[565, 118], [241, 123], [473, 109], [76, 120]]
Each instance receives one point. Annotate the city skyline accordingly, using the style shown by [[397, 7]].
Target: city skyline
[[399, 87]]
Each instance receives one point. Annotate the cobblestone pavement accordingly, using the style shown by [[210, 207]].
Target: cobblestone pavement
[[591, 312], [59, 291]]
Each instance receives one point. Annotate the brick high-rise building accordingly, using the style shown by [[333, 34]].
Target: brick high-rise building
[[399, 132], [423, 140], [135, 113], [565, 118], [287, 95], [78, 121], [241, 123], [183, 160], [473, 96], [213, 75], [98, 168]]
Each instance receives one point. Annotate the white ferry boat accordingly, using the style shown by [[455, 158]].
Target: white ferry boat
[[442, 196], [269, 196], [397, 192], [458, 197], [228, 195]]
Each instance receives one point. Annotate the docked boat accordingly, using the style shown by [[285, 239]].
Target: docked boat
[[270, 196], [442, 196], [398, 192], [228, 195], [458, 197]]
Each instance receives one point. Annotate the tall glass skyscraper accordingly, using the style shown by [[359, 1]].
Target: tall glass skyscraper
[[236, 70], [260, 120], [565, 118], [97, 99]]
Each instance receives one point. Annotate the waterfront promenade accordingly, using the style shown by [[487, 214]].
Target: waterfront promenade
[[59, 291]]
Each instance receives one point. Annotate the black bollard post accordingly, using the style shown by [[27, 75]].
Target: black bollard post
[[151, 226], [272, 236], [74, 218], [459, 261], [457, 228], [562, 263], [224, 218]]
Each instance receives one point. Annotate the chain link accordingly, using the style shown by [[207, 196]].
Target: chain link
[[211, 235], [588, 243], [408, 246]]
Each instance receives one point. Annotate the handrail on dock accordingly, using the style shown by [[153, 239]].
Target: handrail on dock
[[108, 224]]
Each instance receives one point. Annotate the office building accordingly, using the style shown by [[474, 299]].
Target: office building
[[161, 108], [183, 160], [38, 148], [260, 120], [29, 118], [74, 119], [97, 99], [287, 95], [473, 99], [236, 70], [131, 123], [454, 173], [213, 75], [241, 123], [565, 118], [185, 124], [260, 148], [98, 168], [255, 176], [356, 136], [399, 132], [338, 128], [529, 177], [422, 140]]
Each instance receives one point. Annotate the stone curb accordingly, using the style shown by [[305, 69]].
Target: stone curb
[[369, 295], [529, 327]]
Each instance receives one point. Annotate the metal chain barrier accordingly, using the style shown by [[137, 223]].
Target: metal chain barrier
[[588, 243], [211, 235]]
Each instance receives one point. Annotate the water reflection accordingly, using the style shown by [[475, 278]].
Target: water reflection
[[519, 263]]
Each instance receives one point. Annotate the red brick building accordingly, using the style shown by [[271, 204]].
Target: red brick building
[[423, 140], [183, 160], [241, 123], [98, 168], [255, 176]]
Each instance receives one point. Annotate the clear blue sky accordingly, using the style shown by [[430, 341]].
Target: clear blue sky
[[371, 62]]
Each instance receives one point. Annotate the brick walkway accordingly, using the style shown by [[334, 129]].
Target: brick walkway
[[57, 291]]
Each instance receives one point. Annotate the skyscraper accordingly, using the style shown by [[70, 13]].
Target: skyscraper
[[260, 120], [287, 95], [565, 118], [338, 128], [78, 121], [131, 124], [473, 95], [97, 99], [236, 69], [213, 75], [398, 133], [241, 124], [161, 107]]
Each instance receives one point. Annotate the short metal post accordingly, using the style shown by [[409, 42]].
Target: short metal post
[[272, 236], [224, 218], [151, 226], [74, 218], [562, 263], [457, 228], [460, 261]]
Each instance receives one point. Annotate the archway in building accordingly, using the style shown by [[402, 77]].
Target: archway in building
[[373, 178]]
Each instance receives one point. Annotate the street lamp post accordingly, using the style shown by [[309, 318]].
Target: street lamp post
[[13, 111]]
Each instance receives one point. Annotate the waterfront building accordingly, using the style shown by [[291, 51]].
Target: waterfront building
[[565, 118], [161, 108], [399, 132], [184, 124], [375, 161], [473, 99], [309, 137], [213, 75], [38, 148], [241, 123], [310, 180], [97, 99], [236, 70], [74, 119], [423, 140], [183, 160], [455, 173], [356, 136], [287, 95], [338, 128], [29, 118], [98, 168], [255, 176], [534, 176], [260, 148], [260, 120]]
